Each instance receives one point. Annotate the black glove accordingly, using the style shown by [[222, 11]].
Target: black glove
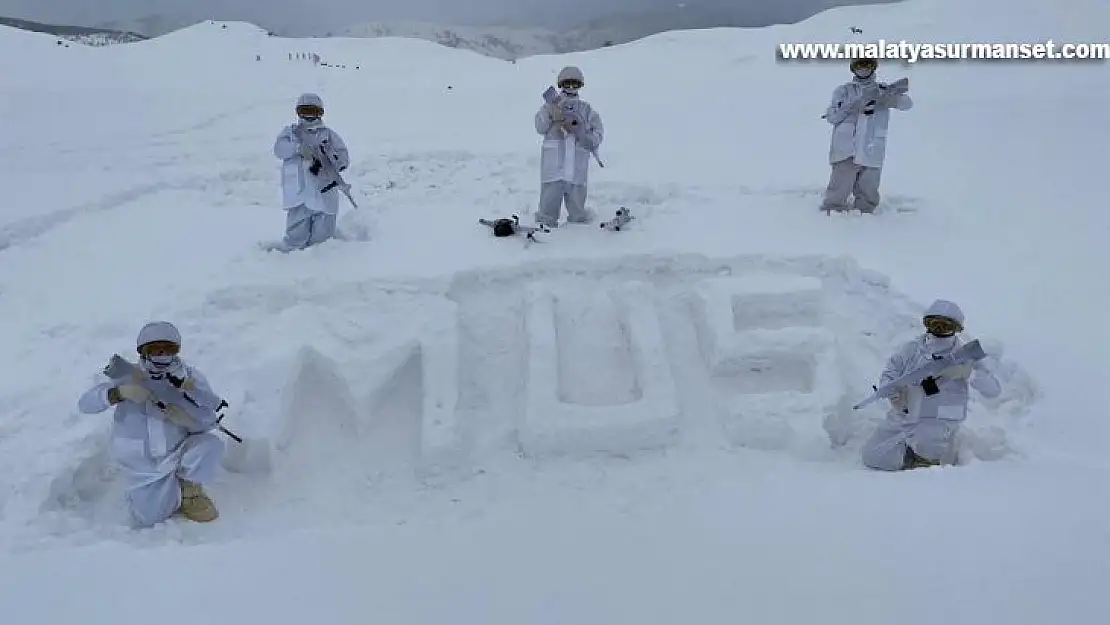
[[929, 385], [315, 168]]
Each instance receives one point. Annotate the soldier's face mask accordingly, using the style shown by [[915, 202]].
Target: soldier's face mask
[[941, 326], [159, 357], [863, 71]]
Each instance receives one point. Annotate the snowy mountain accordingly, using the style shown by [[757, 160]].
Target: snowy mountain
[[506, 42], [502, 43], [155, 25], [629, 26], [79, 34], [515, 42], [651, 426]]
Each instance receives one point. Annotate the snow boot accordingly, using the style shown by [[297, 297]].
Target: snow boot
[[914, 461], [195, 504]]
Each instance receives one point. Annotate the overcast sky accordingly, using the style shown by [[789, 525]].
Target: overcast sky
[[552, 13]]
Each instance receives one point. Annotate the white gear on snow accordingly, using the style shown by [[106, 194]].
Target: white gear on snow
[[570, 72], [857, 146], [297, 185], [620, 220], [310, 215], [310, 99], [926, 423], [856, 135], [153, 451], [849, 179], [564, 161], [157, 366], [156, 331], [554, 195], [946, 309]]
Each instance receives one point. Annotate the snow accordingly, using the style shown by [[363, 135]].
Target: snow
[[399, 469], [572, 336], [773, 357]]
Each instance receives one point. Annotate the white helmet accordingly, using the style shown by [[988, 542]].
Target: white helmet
[[156, 331], [310, 107], [158, 366], [943, 318], [571, 73]]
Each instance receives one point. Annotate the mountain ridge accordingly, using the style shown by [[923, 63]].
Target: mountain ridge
[[89, 35], [506, 42]]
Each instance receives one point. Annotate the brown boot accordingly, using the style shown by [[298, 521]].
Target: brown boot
[[914, 461], [195, 504]]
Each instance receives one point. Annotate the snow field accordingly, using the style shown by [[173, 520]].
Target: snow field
[[384, 380], [378, 384], [703, 547]]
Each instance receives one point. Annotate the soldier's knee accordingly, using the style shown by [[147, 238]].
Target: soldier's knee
[[881, 459]]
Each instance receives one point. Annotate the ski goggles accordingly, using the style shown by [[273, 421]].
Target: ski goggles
[[160, 348], [310, 111], [570, 84], [941, 326]]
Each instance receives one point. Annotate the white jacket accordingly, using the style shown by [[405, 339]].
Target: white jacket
[[141, 438], [856, 135], [298, 185], [562, 158], [950, 404]]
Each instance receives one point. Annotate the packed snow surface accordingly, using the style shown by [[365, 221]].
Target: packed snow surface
[[645, 426]]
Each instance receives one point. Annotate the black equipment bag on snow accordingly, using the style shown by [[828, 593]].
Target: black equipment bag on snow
[[504, 228]]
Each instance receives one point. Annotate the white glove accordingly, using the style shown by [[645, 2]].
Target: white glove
[[134, 392], [898, 400], [957, 372]]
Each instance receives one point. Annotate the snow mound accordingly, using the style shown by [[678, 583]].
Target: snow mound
[[210, 32], [428, 382]]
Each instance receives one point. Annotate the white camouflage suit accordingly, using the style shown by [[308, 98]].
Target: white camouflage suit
[[858, 143], [920, 424], [155, 453], [310, 215], [566, 152]]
